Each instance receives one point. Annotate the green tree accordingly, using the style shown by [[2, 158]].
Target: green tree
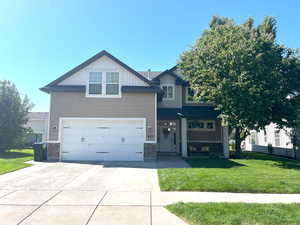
[[247, 75], [13, 115]]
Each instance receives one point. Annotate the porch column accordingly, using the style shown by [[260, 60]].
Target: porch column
[[225, 142], [184, 152]]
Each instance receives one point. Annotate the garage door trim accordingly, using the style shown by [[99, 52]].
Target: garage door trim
[[61, 119]]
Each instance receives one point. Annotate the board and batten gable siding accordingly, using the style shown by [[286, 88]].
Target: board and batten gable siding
[[104, 64], [177, 102], [75, 104], [206, 136]]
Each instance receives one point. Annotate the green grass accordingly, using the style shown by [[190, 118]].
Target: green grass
[[253, 173], [237, 213], [14, 159]]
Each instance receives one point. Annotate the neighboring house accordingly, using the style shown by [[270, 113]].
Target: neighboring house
[[271, 135], [38, 122], [105, 110]]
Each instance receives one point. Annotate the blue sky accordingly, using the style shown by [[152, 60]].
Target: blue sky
[[42, 39]]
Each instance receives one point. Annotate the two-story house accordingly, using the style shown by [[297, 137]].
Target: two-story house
[[104, 110]]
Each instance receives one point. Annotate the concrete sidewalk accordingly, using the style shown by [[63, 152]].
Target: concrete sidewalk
[[33, 207], [82, 207]]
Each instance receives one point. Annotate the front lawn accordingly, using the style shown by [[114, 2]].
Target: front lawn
[[253, 173], [14, 159], [237, 213]]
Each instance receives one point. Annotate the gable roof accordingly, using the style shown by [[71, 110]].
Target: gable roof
[[151, 74], [93, 59], [63, 88], [179, 80]]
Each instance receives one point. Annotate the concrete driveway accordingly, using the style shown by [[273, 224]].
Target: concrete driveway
[[115, 193]]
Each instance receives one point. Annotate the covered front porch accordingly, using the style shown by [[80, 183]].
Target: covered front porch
[[191, 131]]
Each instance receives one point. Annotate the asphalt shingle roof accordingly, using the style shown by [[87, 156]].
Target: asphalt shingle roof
[[204, 112], [152, 74]]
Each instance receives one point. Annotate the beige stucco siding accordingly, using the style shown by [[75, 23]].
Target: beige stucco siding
[[206, 136], [75, 104]]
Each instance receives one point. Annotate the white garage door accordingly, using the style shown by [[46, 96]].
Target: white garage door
[[102, 140]]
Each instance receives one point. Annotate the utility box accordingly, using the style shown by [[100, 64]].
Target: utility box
[[40, 152]]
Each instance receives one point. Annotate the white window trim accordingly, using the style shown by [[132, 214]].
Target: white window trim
[[103, 95], [88, 84], [173, 94], [202, 129]]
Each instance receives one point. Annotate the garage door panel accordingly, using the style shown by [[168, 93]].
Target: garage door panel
[[121, 140], [116, 148]]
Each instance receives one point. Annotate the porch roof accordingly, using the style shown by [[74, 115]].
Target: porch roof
[[201, 112]]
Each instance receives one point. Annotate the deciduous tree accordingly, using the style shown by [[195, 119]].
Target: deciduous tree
[[245, 73]]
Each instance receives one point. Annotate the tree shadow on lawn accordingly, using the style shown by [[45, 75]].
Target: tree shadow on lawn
[[14, 155], [288, 165], [279, 162], [213, 163]]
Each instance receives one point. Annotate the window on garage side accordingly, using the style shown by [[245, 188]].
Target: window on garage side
[[95, 83], [112, 83]]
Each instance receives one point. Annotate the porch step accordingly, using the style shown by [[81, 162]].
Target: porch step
[[164, 154], [167, 153]]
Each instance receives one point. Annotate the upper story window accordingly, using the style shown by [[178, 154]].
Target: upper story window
[[112, 83], [103, 84], [95, 83], [168, 91], [201, 125]]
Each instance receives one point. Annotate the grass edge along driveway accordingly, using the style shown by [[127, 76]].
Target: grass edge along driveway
[[253, 173], [15, 159], [237, 213]]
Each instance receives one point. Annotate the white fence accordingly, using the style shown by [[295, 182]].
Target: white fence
[[288, 152]]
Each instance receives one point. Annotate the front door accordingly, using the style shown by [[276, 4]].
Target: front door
[[167, 136]]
